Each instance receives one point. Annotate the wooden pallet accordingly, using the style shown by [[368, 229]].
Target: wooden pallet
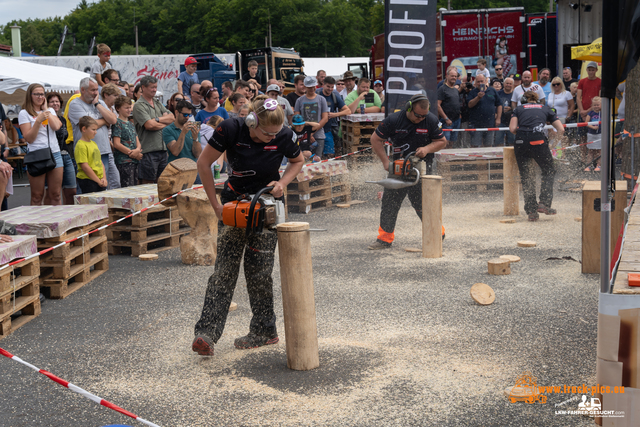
[[79, 275], [340, 189], [151, 245], [78, 253], [70, 234], [318, 193], [363, 129], [19, 294], [149, 218], [141, 234], [471, 175]]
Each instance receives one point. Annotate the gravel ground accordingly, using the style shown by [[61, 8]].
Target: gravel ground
[[401, 341]]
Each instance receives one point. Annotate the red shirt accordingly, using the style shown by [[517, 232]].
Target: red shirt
[[590, 88]]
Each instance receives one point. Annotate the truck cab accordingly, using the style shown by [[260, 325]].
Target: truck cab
[[210, 67], [273, 63]]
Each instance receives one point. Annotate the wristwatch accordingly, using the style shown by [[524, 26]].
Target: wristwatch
[[157, 119], [96, 104]]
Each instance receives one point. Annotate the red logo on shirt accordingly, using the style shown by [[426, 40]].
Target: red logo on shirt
[[271, 147], [422, 130]]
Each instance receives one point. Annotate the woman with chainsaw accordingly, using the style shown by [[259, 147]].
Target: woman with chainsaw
[[528, 123], [255, 147]]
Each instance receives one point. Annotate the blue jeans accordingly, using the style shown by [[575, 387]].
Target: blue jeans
[[451, 136], [500, 138], [105, 162], [482, 138], [69, 174], [328, 143]]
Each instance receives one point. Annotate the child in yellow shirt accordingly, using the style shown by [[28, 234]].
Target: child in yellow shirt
[[87, 154]]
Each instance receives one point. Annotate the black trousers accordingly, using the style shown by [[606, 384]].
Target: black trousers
[[89, 186], [542, 156], [258, 250], [391, 202]]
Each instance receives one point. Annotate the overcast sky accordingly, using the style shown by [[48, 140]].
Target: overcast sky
[[25, 9]]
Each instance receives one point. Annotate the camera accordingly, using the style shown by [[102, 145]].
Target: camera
[[468, 85]]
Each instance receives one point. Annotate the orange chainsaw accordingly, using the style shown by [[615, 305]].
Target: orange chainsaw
[[254, 212], [402, 173]]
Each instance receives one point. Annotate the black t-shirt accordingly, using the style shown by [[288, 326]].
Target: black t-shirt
[[246, 77], [505, 100], [292, 97], [533, 117], [254, 164], [484, 112], [567, 84], [304, 138], [450, 98], [407, 136]]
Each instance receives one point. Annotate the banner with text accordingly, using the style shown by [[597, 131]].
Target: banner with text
[[410, 52]]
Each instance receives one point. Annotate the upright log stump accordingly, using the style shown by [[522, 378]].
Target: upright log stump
[[178, 175], [200, 246], [298, 303], [431, 216], [510, 177]]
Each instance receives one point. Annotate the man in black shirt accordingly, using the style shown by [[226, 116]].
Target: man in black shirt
[[301, 89], [449, 103], [409, 130], [567, 77]]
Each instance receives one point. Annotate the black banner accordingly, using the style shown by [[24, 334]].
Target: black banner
[[409, 52]]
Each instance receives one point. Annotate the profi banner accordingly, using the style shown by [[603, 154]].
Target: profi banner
[[410, 52]]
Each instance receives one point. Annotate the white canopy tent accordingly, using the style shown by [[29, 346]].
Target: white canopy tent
[[16, 76]]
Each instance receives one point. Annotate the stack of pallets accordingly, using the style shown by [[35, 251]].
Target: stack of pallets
[[151, 231], [465, 176], [68, 268], [318, 193], [19, 295]]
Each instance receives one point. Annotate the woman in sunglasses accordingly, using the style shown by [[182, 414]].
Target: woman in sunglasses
[[252, 92], [255, 147], [561, 101]]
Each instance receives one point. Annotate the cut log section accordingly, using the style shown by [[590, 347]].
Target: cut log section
[[508, 221], [178, 175], [526, 244], [510, 258], [343, 205], [482, 294], [413, 249], [499, 267], [148, 257]]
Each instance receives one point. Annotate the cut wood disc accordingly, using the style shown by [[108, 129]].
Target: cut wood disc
[[499, 266], [508, 221], [233, 306], [578, 219], [148, 257], [516, 391], [510, 258], [343, 205], [356, 202], [483, 294], [526, 244], [413, 249]]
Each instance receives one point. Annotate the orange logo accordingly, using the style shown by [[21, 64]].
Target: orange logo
[[526, 390]]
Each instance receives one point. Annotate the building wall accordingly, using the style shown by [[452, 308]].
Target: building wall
[[577, 27]]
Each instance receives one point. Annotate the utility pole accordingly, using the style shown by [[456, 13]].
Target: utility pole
[[135, 27], [550, 6], [270, 41]]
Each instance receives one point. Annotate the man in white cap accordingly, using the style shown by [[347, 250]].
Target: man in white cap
[[379, 88], [273, 92], [314, 110]]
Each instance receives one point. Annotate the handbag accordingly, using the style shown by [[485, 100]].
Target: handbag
[[40, 161]]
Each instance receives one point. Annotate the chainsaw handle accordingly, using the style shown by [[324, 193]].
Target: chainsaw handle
[[251, 228], [404, 165]]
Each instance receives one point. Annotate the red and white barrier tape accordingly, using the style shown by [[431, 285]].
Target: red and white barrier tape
[[78, 390], [566, 125]]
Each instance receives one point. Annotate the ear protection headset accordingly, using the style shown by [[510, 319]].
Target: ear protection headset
[[409, 105], [523, 100], [252, 118]]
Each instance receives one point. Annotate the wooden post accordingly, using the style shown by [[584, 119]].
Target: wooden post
[[591, 223], [431, 216], [510, 178], [298, 304]]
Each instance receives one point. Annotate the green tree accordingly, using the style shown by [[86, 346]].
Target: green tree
[[127, 49]]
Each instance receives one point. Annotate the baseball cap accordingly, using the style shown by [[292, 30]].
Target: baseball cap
[[274, 88], [190, 60], [592, 64], [297, 120], [377, 82], [310, 81], [517, 77]]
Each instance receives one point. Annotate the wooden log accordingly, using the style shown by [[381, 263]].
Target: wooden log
[[148, 257], [510, 182], [178, 175], [526, 244], [199, 247], [298, 304], [431, 216], [499, 267], [510, 258], [482, 294]]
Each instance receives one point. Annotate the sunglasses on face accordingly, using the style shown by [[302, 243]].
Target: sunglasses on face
[[419, 116], [186, 114], [555, 84]]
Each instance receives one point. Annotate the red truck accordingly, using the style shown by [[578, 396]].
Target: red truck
[[464, 36]]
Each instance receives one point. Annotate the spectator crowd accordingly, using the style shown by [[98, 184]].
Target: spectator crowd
[[112, 134]]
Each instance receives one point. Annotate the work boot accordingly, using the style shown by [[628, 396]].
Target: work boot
[[545, 210], [254, 341], [379, 244], [533, 216], [202, 345]]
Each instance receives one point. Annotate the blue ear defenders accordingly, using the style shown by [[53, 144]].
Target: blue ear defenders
[[409, 105]]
